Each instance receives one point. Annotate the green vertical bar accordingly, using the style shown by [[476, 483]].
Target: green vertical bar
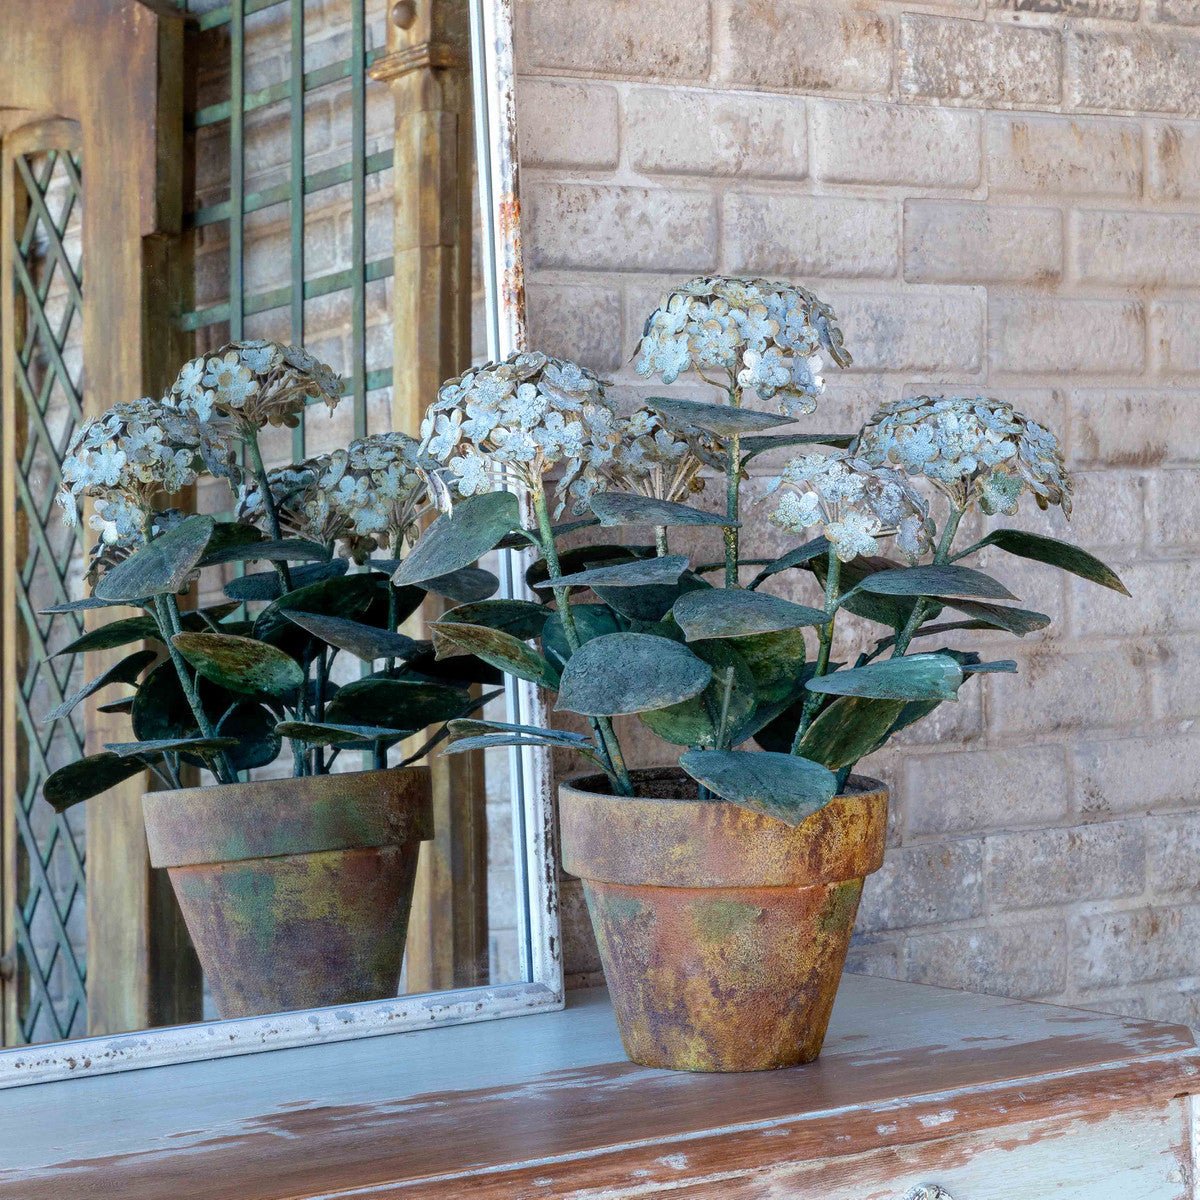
[[237, 166], [297, 196], [358, 214]]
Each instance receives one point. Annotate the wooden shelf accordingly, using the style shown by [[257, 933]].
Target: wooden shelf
[[547, 1105]]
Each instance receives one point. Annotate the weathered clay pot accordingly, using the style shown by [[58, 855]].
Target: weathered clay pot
[[296, 891], [722, 933]]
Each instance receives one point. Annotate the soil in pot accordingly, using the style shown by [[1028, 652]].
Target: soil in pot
[[296, 892], [722, 933]]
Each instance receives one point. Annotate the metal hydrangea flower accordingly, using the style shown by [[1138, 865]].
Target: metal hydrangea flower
[[854, 503], [975, 449], [665, 463], [365, 497], [766, 337], [529, 414], [127, 458], [256, 383]]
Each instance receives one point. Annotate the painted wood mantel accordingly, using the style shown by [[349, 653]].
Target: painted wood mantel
[[989, 1099]]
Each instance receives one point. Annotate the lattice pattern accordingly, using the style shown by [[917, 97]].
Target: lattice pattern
[[50, 900]]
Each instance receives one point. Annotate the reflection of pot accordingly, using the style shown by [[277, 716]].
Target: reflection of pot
[[722, 932], [296, 891]]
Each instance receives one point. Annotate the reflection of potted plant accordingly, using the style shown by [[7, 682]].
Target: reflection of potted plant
[[296, 891], [723, 892]]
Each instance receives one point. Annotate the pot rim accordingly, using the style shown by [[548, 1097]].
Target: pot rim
[[270, 818], [688, 843]]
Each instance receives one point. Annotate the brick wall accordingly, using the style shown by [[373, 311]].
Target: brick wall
[[1002, 199]]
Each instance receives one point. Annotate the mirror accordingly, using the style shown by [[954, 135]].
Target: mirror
[[303, 161]]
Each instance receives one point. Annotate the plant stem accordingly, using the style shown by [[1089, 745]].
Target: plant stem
[[921, 608], [733, 481], [660, 541], [260, 473], [602, 729], [726, 697], [833, 581]]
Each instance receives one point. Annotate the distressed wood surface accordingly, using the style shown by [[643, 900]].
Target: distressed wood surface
[[914, 1081]]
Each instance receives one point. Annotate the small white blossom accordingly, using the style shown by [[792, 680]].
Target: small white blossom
[[853, 535], [663, 463]]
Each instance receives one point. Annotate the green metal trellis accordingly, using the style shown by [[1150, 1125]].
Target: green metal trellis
[[50, 876]]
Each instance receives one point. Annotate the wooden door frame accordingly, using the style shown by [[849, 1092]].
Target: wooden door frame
[[115, 69]]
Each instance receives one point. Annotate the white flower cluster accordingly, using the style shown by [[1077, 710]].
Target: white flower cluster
[[854, 503], [972, 448], [528, 414], [256, 383], [658, 461], [124, 459], [766, 336], [369, 495]]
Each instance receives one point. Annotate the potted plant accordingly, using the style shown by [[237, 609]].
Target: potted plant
[[723, 891], [295, 890]]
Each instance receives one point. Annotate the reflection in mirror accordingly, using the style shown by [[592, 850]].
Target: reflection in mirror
[[306, 839]]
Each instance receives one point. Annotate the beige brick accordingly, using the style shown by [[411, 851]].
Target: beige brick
[[841, 50], [577, 322], [1025, 960], [705, 133], [1174, 12], [1031, 334], [948, 58], [1037, 585], [913, 331], [1173, 853], [1174, 507], [777, 234], [1175, 336], [1177, 679], [978, 243], [1130, 775], [1143, 71], [620, 228], [1127, 947], [993, 789], [1063, 155], [1134, 428], [958, 721], [1157, 588], [1058, 690], [1036, 868], [627, 38], [1155, 249], [874, 956], [567, 124], [1109, 10], [1108, 516], [924, 885], [895, 144]]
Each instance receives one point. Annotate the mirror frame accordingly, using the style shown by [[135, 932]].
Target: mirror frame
[[531, 775]]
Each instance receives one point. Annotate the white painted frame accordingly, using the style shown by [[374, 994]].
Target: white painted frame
[[537, 892]]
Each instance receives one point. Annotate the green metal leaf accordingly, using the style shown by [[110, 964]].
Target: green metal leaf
[[522, 539], [638, 573], [648, 605], [1001, 616], [233, 542], [696, 722], [591, 621], [628, 673], [468, 585], [161, 567], [112, 635], [471, 728], [323, 733], [264, 585], [935, 581], [776, 660], [495, 741], [782, 786], [570, 561], [737, 613], [849, 729], [126, 671], [1057, 554], [522, 618], [202, 747], [1002, 666], [760, 443], [632, 508], [367, 642], [80, 605], [913, 677], [88, 777], [241, 664], [395, 703], [893, 611], [252, 728], [722, 419], [457, 539], [801, 556], [347, 596], [493, 646]]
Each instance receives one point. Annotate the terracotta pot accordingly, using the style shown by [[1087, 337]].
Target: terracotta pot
[[296, 891], [722, 933]]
